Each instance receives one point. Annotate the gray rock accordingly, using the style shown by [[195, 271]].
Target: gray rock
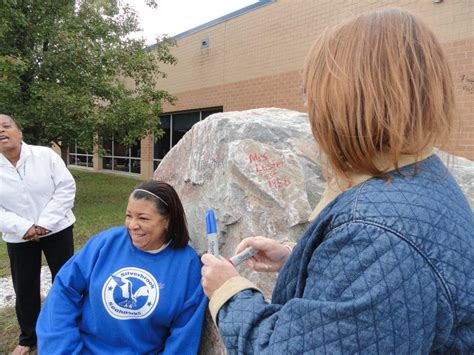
[[259, 171], [463, 171]]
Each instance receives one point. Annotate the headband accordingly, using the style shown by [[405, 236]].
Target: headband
[[151, 193]]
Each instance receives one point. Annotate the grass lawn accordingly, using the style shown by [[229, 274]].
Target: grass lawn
[[100, 203], [101, 200]]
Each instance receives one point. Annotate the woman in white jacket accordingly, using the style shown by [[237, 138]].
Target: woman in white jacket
[[36, 197]]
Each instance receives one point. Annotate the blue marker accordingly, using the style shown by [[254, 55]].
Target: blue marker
[[213, 247]]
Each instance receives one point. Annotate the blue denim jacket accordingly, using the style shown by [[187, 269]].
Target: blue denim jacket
[[387, 267]]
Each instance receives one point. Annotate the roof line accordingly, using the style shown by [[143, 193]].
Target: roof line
[[218, 20]]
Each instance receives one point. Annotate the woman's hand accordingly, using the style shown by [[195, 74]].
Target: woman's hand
[[215, 272], [31, 234], [270, 257], [41, 230]]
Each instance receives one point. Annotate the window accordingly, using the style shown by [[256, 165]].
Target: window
[[120, 158], [175, 126], [79, 157]]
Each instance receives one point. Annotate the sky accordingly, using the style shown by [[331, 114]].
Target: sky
[[175, 16]]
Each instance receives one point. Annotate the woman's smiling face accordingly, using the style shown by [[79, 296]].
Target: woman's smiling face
[[146, 226]]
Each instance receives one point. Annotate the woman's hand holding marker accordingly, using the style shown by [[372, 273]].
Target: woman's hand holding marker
[[270, 255]]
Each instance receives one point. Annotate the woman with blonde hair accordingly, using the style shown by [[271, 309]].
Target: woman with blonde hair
[[387, 264]]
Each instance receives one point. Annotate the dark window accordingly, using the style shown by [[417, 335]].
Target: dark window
[[107, 145], [135, 166], [79, 156], [162, 145], [181, 123], [206, 113], [120, 150], [72, 159], [175, 126], [120, 164], [120, 158], [135, 151], [107, 163]]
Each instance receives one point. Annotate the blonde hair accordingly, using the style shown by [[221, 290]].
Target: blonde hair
[[377, 84]]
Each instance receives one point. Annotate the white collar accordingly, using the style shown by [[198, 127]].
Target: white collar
[[156, 251], [25, 152]]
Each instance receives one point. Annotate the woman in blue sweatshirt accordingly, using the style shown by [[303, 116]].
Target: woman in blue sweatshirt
[[130, 290]]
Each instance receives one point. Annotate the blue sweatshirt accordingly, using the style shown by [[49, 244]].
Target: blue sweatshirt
[[114, 298]]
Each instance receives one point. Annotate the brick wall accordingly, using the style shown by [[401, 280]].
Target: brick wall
[[279, 90], [255, 60], [461, 59], [146, 163]]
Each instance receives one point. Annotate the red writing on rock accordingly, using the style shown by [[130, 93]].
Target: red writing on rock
[[279, 183], [270, 166], [268, 169], [255, 157]]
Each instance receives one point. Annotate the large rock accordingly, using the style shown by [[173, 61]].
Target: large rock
[[463, 171], [259, 171]]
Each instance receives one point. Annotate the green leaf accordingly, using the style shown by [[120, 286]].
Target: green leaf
[[63, 69]]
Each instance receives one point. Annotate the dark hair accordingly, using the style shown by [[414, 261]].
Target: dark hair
[[169, 205], [17, 125]]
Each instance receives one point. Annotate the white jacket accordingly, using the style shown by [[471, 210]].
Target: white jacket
[[39, 190]]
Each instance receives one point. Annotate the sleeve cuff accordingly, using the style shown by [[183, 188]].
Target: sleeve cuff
[[23, 229], [224, 293], [43, 222]]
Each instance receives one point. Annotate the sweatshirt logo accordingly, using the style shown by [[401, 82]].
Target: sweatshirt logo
[[130, 293]]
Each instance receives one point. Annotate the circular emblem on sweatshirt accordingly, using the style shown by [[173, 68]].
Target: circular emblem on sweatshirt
[[130, 293]]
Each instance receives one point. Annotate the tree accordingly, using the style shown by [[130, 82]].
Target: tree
[[69, 73]]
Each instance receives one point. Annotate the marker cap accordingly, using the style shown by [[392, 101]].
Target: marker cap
[[210, 222]]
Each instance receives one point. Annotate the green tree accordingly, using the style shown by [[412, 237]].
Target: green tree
[[68, 72]]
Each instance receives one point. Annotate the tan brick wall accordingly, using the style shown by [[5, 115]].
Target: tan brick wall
[[279, 90], [255, 60], [146, 147], [275, 38], [461, 59]]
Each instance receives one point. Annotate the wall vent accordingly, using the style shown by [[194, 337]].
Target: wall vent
[[205, 42]]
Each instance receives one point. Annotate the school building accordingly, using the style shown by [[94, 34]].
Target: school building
[[253, 58]]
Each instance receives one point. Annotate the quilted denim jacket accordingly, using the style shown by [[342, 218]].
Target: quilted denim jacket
[[387, 267]]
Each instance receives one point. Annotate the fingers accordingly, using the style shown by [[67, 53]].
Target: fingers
[[204, 272], [31, 237], [211, 260], [243, 245], [29, 233], [250, 263], [41, 231], [258, 242], [35, 232], [215, 272], [263, 267], [208, 259]]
